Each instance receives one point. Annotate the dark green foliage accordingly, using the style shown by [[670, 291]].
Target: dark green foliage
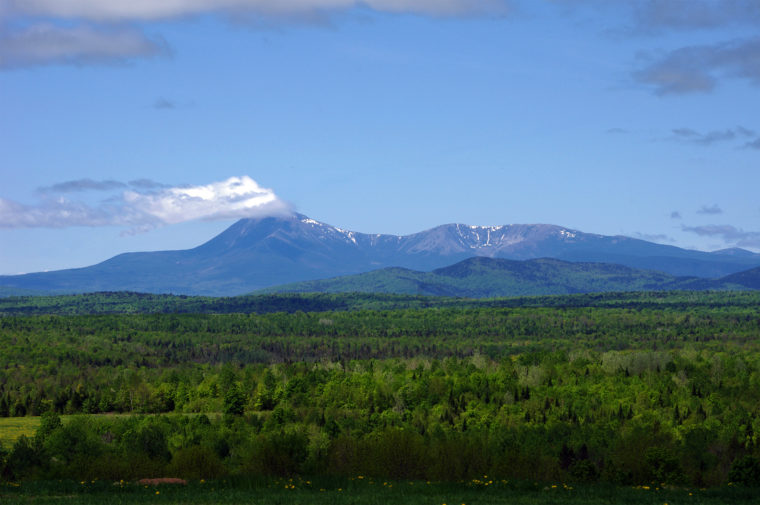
[[745, 470], [141, 303], [282, 452], [149, 440], [196, 462], [72, 449], [482, 277], [49, 422], [25, 459], [234, 401], [355, 491], [662, 465], [123, 302], [584, 470], [630, 389], [396, 453]]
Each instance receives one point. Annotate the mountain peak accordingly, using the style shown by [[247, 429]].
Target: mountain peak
[[265, 251], [735, 251]]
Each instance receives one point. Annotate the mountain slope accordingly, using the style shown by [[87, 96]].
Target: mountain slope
[[749, 278], [482, 277], [257, 253]]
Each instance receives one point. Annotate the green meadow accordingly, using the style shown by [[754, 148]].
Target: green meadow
[[13, 427], [365, 491]]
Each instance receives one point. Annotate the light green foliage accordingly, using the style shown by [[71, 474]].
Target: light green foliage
[[635, 392]]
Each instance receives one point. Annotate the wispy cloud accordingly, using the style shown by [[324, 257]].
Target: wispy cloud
[[675, 215], [119, 10], [164, 104], [48, 44], [145, 206], [687, 68], [82, 185], [729, 234], [698, 14], [696, 69], [147, 184], [105, 34], [658, 237], [711, 137], [754, 144], [710, 210]]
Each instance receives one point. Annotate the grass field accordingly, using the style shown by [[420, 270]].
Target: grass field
[[363, 492], [13, 427]]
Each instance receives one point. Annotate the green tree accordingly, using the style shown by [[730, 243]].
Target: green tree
[[234, 401]]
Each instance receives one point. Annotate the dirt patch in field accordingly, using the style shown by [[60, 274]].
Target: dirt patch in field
[[162, 480]]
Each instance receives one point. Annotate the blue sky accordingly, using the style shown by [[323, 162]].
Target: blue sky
[[150, 125]]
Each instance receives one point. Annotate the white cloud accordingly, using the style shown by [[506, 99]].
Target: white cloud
[[236, 197], [120, 10], [43, 44]]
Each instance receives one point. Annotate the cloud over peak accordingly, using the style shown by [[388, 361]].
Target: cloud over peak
[[144, 205], [233, 198]]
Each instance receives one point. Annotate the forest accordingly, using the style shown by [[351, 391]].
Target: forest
[[633, 388]]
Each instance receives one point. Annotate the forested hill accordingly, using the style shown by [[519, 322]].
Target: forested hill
[[483, 277], [141, 303]]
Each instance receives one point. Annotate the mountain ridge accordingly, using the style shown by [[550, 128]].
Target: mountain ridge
[[257, 253], [483, 277]]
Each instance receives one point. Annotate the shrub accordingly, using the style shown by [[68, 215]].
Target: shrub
[[281, 453], [73, 447], [584, 470], [662, 465], [49, 422], [196, 462], [395, 453], [745, 470], [24, 460]]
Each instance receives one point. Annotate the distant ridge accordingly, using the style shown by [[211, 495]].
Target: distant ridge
[[258, 253], [491, 277], [748, 278]]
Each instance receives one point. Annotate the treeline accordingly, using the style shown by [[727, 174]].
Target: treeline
[[666, 390], [124, 302], [78, 363], [632, 417]]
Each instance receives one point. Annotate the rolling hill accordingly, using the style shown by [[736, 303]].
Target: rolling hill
[[482, 277]]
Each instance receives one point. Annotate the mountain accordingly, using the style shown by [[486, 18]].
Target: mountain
[[749, 278], [482, 277], [257, 253]]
